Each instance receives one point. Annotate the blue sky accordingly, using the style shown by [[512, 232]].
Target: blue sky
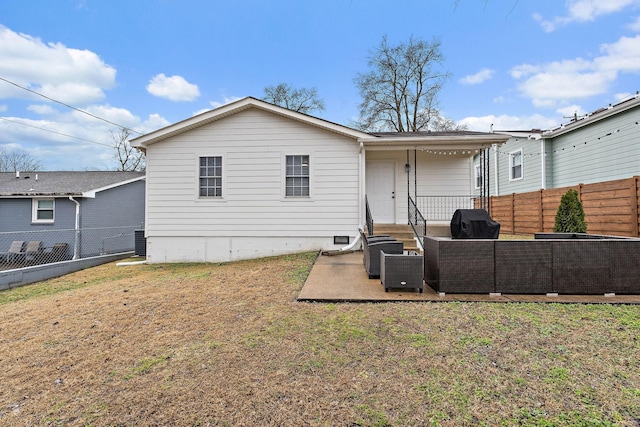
[[143, 64]]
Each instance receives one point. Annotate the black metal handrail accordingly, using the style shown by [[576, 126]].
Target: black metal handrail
[[417, 221], [441, 208], [369, 218]]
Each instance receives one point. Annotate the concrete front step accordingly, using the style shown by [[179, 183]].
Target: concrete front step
[[403, 233]]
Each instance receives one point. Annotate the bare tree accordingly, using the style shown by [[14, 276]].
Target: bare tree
[[302, 100], [129, 159], [401, 90], [439, 123], [18, 161]]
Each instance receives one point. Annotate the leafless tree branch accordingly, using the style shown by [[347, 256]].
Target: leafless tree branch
[[128, 158], [303, 100]]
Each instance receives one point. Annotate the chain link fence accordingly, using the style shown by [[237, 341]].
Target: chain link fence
[[26, 248]]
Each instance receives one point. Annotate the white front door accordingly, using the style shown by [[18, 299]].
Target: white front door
[[381, 186]]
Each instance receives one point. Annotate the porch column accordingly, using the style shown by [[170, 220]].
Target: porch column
[[361, 185], [407, 169]]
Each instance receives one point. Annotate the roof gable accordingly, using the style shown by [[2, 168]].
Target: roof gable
[[210, 116]]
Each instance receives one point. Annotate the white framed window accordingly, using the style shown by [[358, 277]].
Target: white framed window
[[515, 165], [478, 177], [210, 176], [297, 176], [43, 210]]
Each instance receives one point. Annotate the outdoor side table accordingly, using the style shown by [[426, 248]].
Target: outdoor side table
[[401, 271]]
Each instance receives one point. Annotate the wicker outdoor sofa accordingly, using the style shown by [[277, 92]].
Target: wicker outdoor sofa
[[551, 263]]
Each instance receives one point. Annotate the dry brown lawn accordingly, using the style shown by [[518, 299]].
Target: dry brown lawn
[[228, 345]]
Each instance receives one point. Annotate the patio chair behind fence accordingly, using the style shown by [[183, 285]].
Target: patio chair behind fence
[[26, 248]]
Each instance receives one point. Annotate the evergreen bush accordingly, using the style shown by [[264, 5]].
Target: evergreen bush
[[570, 214]]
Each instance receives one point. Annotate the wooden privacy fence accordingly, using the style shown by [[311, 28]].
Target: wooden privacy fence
[[610, 208]]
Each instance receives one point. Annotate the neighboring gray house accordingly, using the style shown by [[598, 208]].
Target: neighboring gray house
[[251, 179], [52, 206], [601, 146]]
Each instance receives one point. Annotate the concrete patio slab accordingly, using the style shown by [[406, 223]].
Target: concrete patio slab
[[342, 278]]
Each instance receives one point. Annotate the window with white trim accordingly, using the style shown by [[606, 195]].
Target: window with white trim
[[43, 210], [297, 176], [210, 176], [478, 176], [515, 165]]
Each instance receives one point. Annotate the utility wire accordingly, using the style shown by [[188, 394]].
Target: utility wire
[[69, 106], [53, 131]]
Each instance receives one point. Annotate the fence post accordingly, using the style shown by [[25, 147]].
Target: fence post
[[635, 231], [513, 213], [580, 191], [540, 212]]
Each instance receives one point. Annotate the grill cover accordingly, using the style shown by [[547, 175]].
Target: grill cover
[[473, 224]]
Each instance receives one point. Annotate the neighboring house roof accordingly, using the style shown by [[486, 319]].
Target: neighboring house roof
[[448, 140], [595, 116], [528, 134], [52, 184]]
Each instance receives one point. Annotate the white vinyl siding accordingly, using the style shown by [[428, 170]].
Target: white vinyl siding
[[43, 210], [253, 145], [438, 175]]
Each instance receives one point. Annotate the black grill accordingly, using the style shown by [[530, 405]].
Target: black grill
[[473, 224]]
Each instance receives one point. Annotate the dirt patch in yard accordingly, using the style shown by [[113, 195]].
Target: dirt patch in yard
[[227, 344]]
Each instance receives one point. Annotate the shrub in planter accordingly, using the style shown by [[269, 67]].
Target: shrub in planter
[[570, 214]]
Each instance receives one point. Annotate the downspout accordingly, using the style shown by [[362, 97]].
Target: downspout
[[361, 190], [407, 170], [415, 175], [361, 185], [76, 243], [495, 166], [543, 167]]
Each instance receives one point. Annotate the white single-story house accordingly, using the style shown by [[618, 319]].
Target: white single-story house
[[252, 179]]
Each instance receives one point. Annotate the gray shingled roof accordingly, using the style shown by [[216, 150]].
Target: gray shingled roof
[[60, 183], [428, 133]]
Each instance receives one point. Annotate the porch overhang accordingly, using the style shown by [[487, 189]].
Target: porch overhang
[[434, 141]]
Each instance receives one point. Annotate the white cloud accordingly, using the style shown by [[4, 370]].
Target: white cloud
[[69, 75], [506, 122], [226, 100], [42, 109], [215, 104], [571, 111], [556, 83], [174, 88], [67, 146], [153, 122], [477, 78], [621, 96], [583, 11], [635, 25]]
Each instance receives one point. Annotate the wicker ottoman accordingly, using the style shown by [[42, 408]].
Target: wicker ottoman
[[401, 271]]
